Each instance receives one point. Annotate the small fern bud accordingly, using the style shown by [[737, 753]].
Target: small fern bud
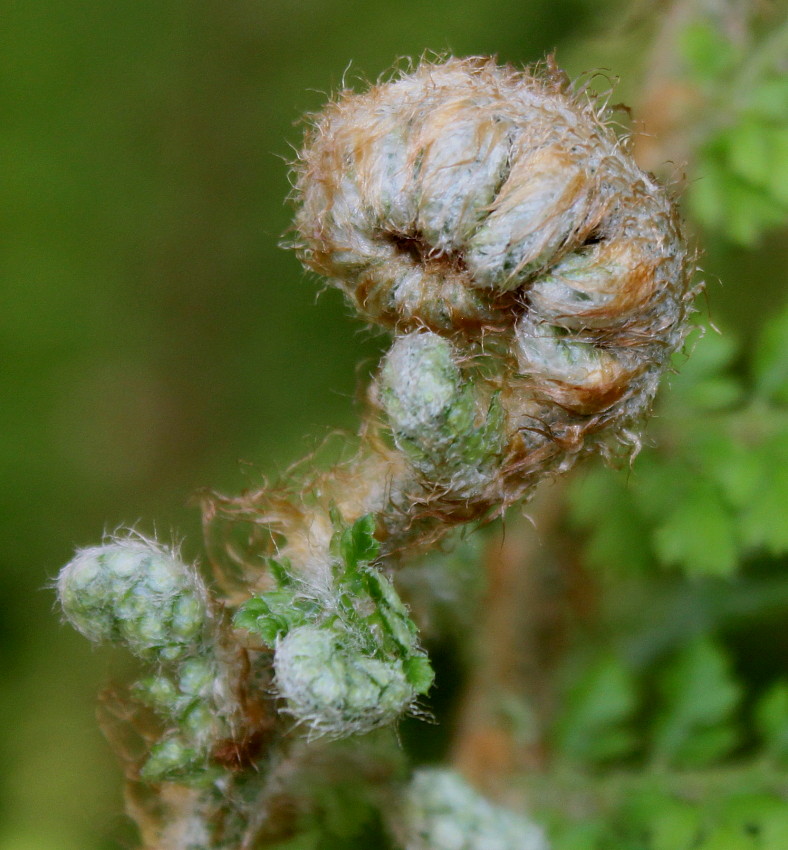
[[451, 431], [421, 382], [442, 812], [335, 688], [135, 592], [347, 656], [172, 758], [157, 692]]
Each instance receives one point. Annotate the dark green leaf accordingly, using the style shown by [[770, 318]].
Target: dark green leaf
[[771, 720], [697, 533], [669, 823], [271, 615], [699, 697], [281, 571], [735, 466], [763, 522], [419, 673], [770, 361], [358, 544], [592, 727]]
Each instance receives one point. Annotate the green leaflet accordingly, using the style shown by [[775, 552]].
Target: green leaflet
[[770, 360], [593, 726], [712, 492], [363, 603], [771, 720], [742, 190], [699, 696]]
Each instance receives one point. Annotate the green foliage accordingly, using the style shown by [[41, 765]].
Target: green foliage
[[694, 726], [655, 820], [770, 360], [356, 544], [771, 721], [608, 716], [742, 184], [707, 501], [274, 613], [661, 821], [593, 725], [712, 492], [740, 808]]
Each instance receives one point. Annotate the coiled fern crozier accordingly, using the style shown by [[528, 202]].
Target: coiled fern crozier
[[535, 283]]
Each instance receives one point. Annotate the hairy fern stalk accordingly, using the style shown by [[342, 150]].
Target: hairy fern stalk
[[535, 283]]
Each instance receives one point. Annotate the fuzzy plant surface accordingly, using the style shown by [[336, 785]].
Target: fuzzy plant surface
[[535, 283]]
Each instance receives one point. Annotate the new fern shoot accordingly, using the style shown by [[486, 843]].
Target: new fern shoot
[[535, 283]]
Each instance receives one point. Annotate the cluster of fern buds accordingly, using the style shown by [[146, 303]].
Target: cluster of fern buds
[[536, 283]]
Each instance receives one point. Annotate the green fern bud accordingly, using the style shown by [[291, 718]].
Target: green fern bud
[[172, 758], [347, 656], [194, 712], [336, 689], [446, 426], [135, 592], [157, 692]]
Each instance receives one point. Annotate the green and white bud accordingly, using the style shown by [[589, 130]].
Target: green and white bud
[[421, 382], [135, 592], [172, 758], [197, 677], [347, 656], [334, 688], [157, 692], [442, 812], [450, 430]]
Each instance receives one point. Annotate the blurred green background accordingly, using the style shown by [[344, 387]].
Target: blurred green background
[[155, 337]]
